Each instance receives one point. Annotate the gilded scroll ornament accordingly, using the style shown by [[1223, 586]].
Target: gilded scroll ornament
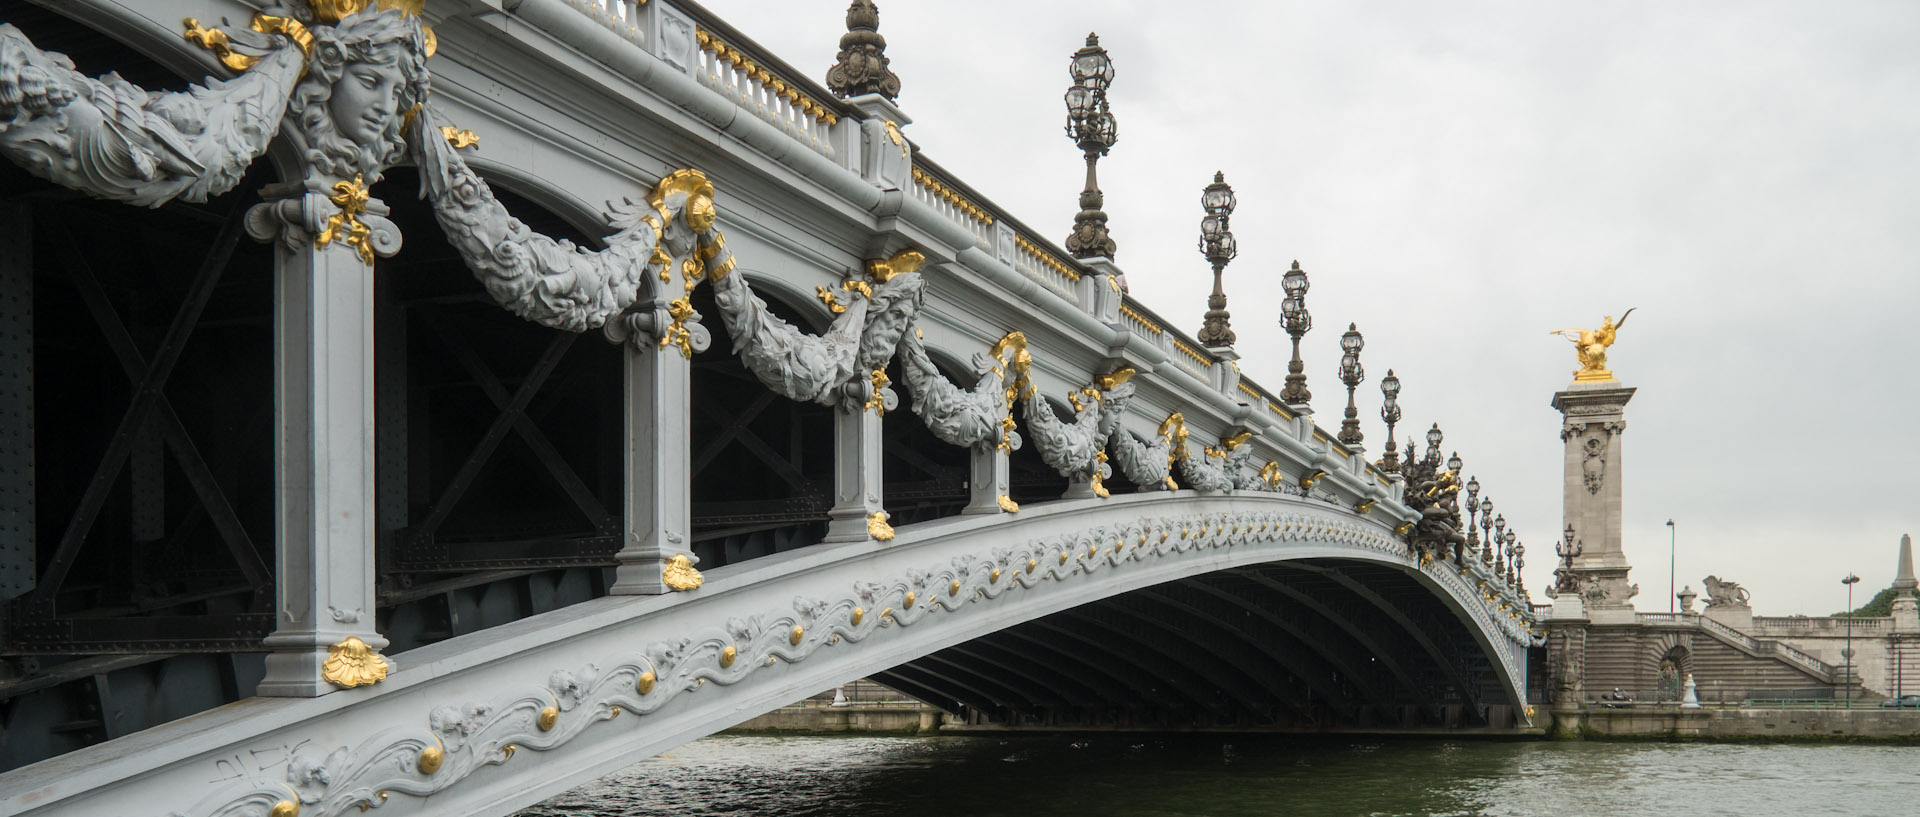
[[1007, 504], [1590, 348], [459, 137], [352, 663], [882, 271], [285, 808], [679, 573], [877, 526], [351, 199], [431, 758]]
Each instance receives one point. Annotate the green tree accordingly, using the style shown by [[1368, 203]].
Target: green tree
[[1881, 606]]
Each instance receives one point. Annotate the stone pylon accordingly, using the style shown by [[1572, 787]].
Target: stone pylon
[[1906, 607], [1594, 421]]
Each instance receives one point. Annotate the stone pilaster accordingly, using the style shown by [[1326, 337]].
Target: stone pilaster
[[658, 501], [324, 507], [1593, 423], [988, 478], [857, 470]]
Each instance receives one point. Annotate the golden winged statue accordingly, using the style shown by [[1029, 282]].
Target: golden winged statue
[[1590, 345]]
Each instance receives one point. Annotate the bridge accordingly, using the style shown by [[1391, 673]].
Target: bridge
[[696, 388]]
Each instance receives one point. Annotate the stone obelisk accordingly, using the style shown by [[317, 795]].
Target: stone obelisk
[[1593, 410]]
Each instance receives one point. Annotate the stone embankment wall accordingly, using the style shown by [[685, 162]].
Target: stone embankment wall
[[811, 717], [1867, 723]]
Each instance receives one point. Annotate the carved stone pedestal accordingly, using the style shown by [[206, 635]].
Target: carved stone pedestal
[[1594, 421], [987, 484]]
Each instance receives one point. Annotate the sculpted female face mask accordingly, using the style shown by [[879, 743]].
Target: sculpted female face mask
[[366, 76]]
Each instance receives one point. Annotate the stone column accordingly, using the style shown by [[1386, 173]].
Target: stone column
[[857, 475], [1594, 420], [1906, 607], [659, 459], [988, 475], [324, 506]]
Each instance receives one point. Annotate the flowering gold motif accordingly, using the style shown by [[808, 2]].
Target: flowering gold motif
[[904, 261], [431, 758], [351, 198], [893, 135], [827, 297], [215, 40], [352, 663], [878, 528], [459, 137], [548, 717], [679, 573], [877, 402]]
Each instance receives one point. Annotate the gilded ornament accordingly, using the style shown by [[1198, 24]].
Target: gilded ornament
[[727, 656], [351, 197], [215, 40], [1092, 551], [899, 263], [1007, 504], [1031, 564], [827, 297], [679, 310], [352, 663], [1367, 506], [1590, 348], [893, 134], [1306, 482], [1109, 382], [954, 589], [431, 758], [858, 614], [799, 633], [506, 752], [285, 808], [679, 573], [878, 528], [645, 684], [548, 717], [908, 602], [1236, 441], [364, 805], [1403, 529], [878, 402], [459, 137], [994, 577]]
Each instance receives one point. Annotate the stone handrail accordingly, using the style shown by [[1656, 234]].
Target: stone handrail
[[1821, 625], [1757, 646], [1045, 267], [725, 68], [1688, 619], [935, 191]]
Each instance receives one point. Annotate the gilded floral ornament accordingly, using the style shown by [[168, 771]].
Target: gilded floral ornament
[[877, 526], [352, 663], [459, 138], [882, 271], [1007, 504], [351, 199], [679, 573]]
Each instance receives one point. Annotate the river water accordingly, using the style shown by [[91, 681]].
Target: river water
[[1230, 777]]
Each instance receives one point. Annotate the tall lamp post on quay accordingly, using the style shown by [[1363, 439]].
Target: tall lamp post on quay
[[1295, 318], [1390, 414], [1352, 374], [1217, 245], [1849, 581], [1672, 540]]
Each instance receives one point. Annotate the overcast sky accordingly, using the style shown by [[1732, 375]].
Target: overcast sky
[[1459, 178]]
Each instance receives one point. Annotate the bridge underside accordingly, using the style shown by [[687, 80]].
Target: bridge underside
[[1311, 645]]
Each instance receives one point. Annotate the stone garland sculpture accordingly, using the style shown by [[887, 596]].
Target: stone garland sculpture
[[967, 417], [1077, 447], [555, 283], [111, 139]]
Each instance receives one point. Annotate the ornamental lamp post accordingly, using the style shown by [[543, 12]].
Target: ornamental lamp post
[[1297, 321], [1486, 531], [1434, 438], [1352, 374], [1217, 245], [1849, 581], [1454, 464], [1091, 126], [1390, 414], [1568, 549], [1511, 537], [1519, 568], [1499, 530], [1473, 496]]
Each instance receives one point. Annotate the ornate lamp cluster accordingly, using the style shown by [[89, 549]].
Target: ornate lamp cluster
[[1390, 414], [1484, 545], [1568, 549], [1216, 243], [1091, 126], [1352, 374], [1295, 318]]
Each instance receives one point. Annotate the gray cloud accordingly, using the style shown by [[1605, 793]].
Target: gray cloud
[[1460, 178]]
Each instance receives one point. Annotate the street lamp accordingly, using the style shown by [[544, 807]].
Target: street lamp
[[1216, 243], [1454, 464], [1352, 374], [1434, 438], [1673, 539], [1390, 414], [1568, 549], [1511, 537], [1849, 581], [1486, 532], [1297, 321], [1473, 495], [1519, 568], [1092, 127]]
